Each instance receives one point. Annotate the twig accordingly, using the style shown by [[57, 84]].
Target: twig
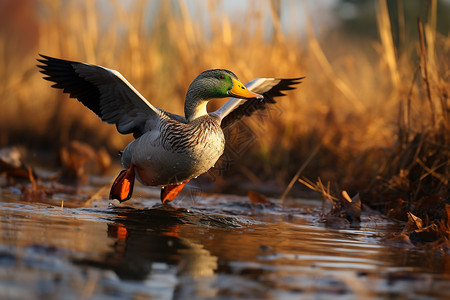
[[32, 179], [300, 170], [432, 171], [425, 69], [318, 187]]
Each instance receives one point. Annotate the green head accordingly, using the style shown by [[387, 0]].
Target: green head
[[216, 83]]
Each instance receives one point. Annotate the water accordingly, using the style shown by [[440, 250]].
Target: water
[[216, 247]]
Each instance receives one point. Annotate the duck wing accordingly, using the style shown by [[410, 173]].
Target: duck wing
[[104, 91], [235, 109]]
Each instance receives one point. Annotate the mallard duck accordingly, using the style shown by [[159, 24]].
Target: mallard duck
[[169, 149]]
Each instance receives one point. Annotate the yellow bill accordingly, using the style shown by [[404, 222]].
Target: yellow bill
[[240, 91]]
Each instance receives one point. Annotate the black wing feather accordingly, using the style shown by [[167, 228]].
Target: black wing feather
[[249, 107], [66, 78], [106, 92]]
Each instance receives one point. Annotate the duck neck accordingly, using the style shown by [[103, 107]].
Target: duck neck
[[194, 106]]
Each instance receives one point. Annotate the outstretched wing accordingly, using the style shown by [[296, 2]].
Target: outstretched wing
[[106, 92], [234, 109]]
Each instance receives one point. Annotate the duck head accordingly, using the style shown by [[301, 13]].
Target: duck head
[[210, 84]]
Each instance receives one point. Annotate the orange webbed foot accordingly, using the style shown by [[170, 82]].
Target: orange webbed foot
[[169, 192], [122, 188]]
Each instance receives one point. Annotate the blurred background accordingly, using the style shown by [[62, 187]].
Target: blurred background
[[363, 87]]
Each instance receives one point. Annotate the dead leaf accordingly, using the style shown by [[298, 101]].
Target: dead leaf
[[346, 196], [413, 223], [79, 159], [352, 207], [257, 198]]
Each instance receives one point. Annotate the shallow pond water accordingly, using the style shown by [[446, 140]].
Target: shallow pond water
[[204, 247]]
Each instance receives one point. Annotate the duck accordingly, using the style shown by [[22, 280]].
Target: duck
[[168, 150]]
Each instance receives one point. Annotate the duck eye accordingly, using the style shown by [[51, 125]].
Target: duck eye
[[221, 76]]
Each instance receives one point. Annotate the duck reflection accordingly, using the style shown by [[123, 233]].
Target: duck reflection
[[148, 241]]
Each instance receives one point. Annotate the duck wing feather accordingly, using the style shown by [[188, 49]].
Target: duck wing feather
[[235, 109], [104, 91]]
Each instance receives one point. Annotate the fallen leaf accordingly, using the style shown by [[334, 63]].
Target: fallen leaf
[[79, 159], [257, 198], [346, 196], [413, 223], [352, 207]]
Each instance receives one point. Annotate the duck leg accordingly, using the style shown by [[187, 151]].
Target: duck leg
[[169, 192], [122, 188]]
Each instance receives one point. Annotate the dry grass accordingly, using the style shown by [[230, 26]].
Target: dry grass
[[365, 110]]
